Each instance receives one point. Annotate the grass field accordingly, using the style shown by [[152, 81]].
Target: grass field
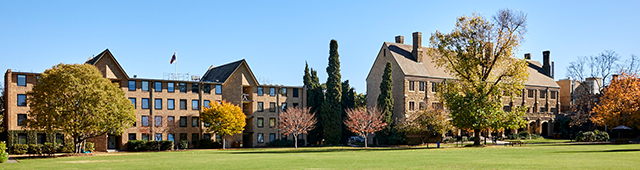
[[540, 156]]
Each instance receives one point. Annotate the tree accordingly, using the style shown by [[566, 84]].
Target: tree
[[77, 101], [385, 99], [296, 121], [361, 100], [427, 122], [479, 55], [619, 104], [224, 119], [348, 102], [364, 122], [331, 118], [1, 108], [315, 97]]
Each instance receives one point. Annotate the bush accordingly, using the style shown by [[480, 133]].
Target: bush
[[595, 136], [166, 145], [208, 144], [4, 156], [49, 148], [35, 149], [89, 146], [67, 148], [142, 145], [151, 145], [19, 149], [601, 136], [184, 144], [136, 145]]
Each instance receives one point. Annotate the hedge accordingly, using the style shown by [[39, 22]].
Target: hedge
[[143, 145]]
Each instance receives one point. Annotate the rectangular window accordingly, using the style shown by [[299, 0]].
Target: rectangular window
[[218, 138], [272, 137], [145, 86], [170, 137], [260, 138], [206, 103], [284, 91], [59, 139], [40, 138], [158, 121], [436, 105], [272, 107], [412, 106], [132, 136], [22, 80], [195, 88], [171, 104], [411, 86], [553, 94], [272, 122], [22, 138], [218, 89], [195, 121], [132, 85], [21, 119], [421, 105], [260, 91], [183, 121], [206, 136], [183, 104], [206, 88], [506, 108], [145, 136], [145, 120], [133, 102], [284, 107], [145, 103], [530, 93], [272, 91], [158, 136], [195, 136], [22, 100], [158, 86], [295, 92], [421, 86], [260, 107], [295, 105], [170, 121], [170, 87], [195, 104], [543, 94], [260, 122], [183, 87], [183, 136], [434, 86], [543, 109], [158, 104]]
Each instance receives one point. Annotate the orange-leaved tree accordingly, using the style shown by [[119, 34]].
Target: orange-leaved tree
[[364, 122], [295, 122], [224, 119], [620, 104]]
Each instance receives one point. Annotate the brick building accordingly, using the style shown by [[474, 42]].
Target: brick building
[[169, 109]]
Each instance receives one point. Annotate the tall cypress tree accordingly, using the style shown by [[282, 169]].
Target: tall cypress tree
[[385, 99], [315, 97], [332, 107], [348, 102]]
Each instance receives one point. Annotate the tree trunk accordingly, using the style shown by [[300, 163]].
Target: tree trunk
[[223, 142], [427, 140], [77, 143], [365, 141], [476, 139], [295, 139]]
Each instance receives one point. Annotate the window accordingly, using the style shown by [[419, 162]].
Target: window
[[170, 121], [295, 92], [506, 108], [272, 91], [170, 87], [260, 138], [183, 104], [41, 138], [158, 104], [218, 137], [183, 121], [272, 122], [436, 105], [412, 106], [284, 107], [171, 104], [434, 86], [530, 93], [22, 138], [554, 110], [21, 119], [195, 104], [145, 86], [272, 137], [206, 103], [553, 94], [183, 87], [145, 136], [284, 91], [260, 122], [158, 121], [260, 106], [133, 102], [60, 139], [170, 137], [218, 89], [195, 136], [272, 107], [543, 94], [195, 88], [22, 100], [206, 88], [195, 121], [158, 136], [145, 120], [295, 105], [145, 103], [421, 86], [543, 109], [132, 136], [22, 80], [158, 86], [183, 136], [206, 136], [260, 91], [421, 105], [132, 85], [411, 86]]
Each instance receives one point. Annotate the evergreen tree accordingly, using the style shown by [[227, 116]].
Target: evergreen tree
[[385, 99], [348, 102], [331, 116], [315, 97]]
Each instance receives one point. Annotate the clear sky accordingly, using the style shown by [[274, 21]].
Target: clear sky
[[277, 37]]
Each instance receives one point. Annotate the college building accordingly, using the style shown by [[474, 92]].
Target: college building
[[415, 78], [168, 109]]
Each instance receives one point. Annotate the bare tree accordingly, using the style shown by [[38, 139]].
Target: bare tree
[[296, 121], [364, 122]]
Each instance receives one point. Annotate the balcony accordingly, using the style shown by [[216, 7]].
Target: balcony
[[246, 98]]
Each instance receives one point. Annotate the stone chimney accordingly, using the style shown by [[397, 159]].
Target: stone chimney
[[527, 56], [400, 39], [553, 69], [545, 62], [417, 47]]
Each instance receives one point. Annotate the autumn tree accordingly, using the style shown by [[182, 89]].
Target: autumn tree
[[364, 122], [76, 100], [427, 122], [619, 104], [479, 54], [224, 119], [296, 121], [331, 115]]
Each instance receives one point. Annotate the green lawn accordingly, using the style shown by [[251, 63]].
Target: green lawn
[[543, 140], [541, 156]]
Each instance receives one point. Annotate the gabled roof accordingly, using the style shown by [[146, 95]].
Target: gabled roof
[[221, 73], [410, 67], [106, 53]]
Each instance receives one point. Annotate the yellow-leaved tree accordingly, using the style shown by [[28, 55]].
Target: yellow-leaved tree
[[224, 119], [619, 104]]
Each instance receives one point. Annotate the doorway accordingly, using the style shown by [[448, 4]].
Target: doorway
[[111, 142]]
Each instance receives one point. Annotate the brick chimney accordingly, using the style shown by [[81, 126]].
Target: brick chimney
[[417, 47], [400, 39], [545, 62], [527, 56]]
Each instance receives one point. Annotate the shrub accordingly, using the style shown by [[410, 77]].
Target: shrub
[[89, 146], [136, 145], [166, 145], [35, 149], [184, 144], [524, 135], [19, 149], [595, 136], [601, 136], [68, 147], [208, 144], [49, 148], [4, 156], [151, 145]]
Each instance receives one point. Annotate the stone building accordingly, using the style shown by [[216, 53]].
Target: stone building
[[415, 78], [169, 109]]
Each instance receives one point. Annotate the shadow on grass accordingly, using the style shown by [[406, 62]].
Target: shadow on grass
[[595, 151], [322, 150]]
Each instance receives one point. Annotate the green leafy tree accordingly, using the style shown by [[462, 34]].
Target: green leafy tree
[[331, 117], [479, 54], [385, 99], [427, 122], [361, 100], [76, 100], [223, 119], [1, 108], [348, 102], [315, 97]]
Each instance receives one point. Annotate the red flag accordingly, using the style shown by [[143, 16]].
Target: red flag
[[173, 58]]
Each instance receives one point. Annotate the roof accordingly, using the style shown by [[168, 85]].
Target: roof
[[95, 59], [106, 52], [221, 73], [410, 67]]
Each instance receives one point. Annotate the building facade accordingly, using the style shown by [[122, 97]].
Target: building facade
[[169, 109]]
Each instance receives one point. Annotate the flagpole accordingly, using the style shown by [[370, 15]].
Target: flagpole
[[176, 74]]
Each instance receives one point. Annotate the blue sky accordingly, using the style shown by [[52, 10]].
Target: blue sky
[[277, 37]]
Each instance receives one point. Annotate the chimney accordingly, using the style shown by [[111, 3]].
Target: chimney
[[417, 47], [527, 56], [400, 39], [553, 69], [545, 62]]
